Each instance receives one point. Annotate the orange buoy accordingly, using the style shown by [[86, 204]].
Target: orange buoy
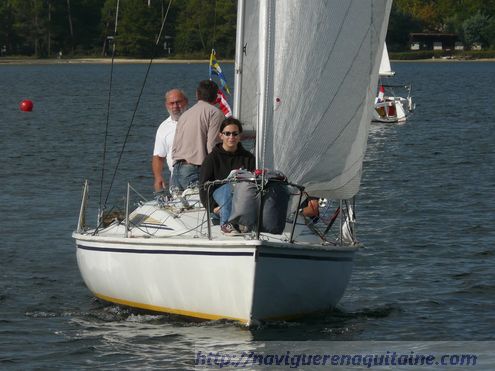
[[26, 105]]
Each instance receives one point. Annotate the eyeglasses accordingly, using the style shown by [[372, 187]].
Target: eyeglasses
[[177, 102], [229, 133]]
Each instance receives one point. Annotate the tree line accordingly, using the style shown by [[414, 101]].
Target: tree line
[[45, 28], [472, 20]]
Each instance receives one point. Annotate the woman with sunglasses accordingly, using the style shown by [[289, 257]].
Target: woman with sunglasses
[[226, 156]]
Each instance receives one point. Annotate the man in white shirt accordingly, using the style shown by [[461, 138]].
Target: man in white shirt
[[176, 104]]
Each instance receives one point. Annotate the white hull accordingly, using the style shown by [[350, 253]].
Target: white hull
[[238, 279], [392, 110]]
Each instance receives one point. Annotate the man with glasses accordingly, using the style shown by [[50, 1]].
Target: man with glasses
[[176, 104], [225, 157], [196, 135]]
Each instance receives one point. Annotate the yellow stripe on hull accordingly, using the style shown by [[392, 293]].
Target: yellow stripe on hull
[[180, 312]]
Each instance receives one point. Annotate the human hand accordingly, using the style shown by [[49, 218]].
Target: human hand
[[160, 184]]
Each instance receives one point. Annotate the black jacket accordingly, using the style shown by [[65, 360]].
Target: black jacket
[[218, 165]]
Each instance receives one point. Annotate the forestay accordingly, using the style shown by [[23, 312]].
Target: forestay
[[310, 106]]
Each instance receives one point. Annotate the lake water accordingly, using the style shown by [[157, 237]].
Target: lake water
[[425, 211]]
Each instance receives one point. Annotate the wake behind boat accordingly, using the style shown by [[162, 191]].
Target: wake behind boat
[[304, 76]]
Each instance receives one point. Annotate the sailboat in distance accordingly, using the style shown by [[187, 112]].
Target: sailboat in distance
[[389, 107], [306, 73]]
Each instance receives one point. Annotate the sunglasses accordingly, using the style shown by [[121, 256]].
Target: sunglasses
[[229, 133]]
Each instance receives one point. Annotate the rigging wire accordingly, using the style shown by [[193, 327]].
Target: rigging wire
[[214, 26], [137, 103], [101, 208]]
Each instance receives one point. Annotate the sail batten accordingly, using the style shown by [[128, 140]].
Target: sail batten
[[323, 61]]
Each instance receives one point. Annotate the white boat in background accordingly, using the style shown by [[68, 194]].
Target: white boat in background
[[390, 107], [305, 71]]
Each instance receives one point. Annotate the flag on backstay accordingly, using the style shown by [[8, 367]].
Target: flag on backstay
[[216, 70], [223, 104]]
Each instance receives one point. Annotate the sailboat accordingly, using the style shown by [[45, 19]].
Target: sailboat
[[305, 76], [389, 107]]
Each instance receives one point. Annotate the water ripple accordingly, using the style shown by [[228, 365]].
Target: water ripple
[[424, 214]]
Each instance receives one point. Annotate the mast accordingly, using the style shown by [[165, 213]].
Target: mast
[[239, 54], [265, 108]]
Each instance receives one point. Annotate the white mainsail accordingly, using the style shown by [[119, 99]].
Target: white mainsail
[[311, 107]]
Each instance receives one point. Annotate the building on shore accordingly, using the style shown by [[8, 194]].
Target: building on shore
[[432, 41]]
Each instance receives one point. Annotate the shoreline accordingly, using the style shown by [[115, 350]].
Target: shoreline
[[52, 61], [442, 60], [33, 61]]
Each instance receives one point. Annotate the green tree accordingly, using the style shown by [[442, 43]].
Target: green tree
[[193, 27], [138, 28], [85, 17], [203, 25], [441, 16], [478, 29], [108, 14], [42, 27], [32, 21], [7, 34], [225, 28], [399, 26]]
